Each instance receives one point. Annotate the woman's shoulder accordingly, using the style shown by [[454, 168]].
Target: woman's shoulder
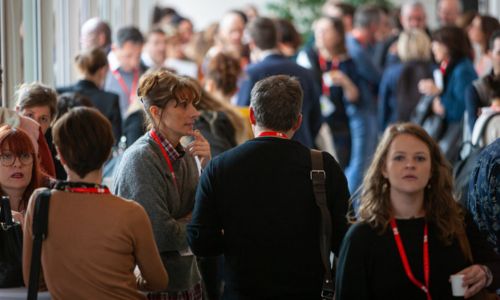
[[465, 66], [141, 153]]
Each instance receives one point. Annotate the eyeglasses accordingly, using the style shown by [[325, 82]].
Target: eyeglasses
[[7, 159]]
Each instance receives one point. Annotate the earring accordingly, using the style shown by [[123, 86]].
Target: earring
[[385, 185], [428, 186]]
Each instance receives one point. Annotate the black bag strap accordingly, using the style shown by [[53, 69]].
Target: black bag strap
[[318, 177], [6, 216], [40, 224]]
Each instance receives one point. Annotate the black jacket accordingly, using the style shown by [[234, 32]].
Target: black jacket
[[107, 103]]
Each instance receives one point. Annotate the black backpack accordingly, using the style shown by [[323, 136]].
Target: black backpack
[[463, 168]]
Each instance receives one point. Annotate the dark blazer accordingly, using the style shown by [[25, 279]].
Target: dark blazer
[[107, 103], [276, 64]]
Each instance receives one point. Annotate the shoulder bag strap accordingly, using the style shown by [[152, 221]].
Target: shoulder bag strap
[[318, 177], [6, 216], [40, 223]]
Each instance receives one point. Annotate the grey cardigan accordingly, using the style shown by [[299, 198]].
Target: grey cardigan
[[143, 175]]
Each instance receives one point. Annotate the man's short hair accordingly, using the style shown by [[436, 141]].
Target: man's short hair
[[129, 34], [366, 15], [263, 32], [84, 138], [277, 102]]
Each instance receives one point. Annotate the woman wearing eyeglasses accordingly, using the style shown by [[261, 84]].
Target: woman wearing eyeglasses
[[19, 171]]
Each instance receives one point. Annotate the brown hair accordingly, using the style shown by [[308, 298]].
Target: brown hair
[[18, 141], [84, 138], [288, 34], [90, 61], [210, 103], [224, 70], [263, 33], [338, 26], [489, 25], [277, 102], [160, 87], [455, 40], [439, 204], [36, 94]]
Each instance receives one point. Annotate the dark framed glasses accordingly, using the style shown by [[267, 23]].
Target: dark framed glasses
[[7, 159]]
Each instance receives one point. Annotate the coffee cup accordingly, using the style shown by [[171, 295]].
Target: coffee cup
[[457, 287]]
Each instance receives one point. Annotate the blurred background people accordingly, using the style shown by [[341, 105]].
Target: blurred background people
[[125, 66], [154, 52], [398, 91], [92, 65], [95, 33], [479, 32], [448, 12]]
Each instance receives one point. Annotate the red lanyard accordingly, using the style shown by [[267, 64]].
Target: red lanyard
[[273, 134], [123, 85], [404, 259], [88, 190], [322, 67], [443, 66], [165, 155]]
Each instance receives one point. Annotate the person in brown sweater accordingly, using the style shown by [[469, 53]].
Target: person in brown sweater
[[95, 239]]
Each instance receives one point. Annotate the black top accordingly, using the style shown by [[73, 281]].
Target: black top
[[370, 266], [260, 193], [107, 103], [218, 130]]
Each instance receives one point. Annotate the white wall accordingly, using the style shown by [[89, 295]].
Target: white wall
[[203, 13]]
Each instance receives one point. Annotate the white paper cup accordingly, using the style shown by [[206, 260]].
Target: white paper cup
[[456, 284]]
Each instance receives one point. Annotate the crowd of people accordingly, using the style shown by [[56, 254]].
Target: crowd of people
[[179, 164]]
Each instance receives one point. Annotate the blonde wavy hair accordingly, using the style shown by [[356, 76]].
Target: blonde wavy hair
[[440, 206], [414, 44]]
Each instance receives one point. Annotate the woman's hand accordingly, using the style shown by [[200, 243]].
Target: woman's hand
[[475, 279], [200, 147], [428, 87], [350, 89], [437, 107]]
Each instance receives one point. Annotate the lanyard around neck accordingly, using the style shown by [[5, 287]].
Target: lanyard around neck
[[123, 85], [165, 155], [273, 134], [404, 258], [322, 66], [82, 187]]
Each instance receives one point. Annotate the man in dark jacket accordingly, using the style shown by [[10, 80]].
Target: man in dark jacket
[[255, 204], [267, 61]]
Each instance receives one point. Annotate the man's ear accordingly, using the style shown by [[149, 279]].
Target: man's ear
[[252, 116], [298, 123]]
